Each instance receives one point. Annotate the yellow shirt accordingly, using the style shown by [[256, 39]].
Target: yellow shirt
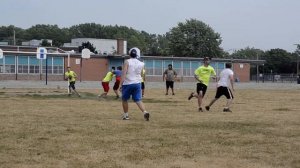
[[71, 76], [108, 77], [204, 73], [143, 75]]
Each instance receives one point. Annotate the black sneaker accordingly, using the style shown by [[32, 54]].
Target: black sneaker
[[226, 110], [200, 109], [191, 96], [173, 93], [207, 108], [146, 116]]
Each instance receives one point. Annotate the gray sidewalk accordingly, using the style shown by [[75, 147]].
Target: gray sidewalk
[[178, 85]]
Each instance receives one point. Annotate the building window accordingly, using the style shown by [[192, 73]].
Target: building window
[[34, 65], [55, 65], [194, 66], [186, 68], [1, 66], [177, 67], [166, 63], [23, 64], [47, 65], [149, 67], [158, 67], [58, 65], [9, 64]]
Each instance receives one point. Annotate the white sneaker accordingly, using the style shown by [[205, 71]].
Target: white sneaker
[[125, 118]]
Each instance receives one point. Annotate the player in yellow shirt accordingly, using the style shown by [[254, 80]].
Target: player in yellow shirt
[[143, 81], [105, 82], [202, 75], [71, 77]]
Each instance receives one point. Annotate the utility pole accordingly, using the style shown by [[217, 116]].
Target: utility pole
[[257, 75], [14, 37], [297, 53]]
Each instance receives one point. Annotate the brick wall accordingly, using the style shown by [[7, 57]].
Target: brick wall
[[242, 71], [93, 69]]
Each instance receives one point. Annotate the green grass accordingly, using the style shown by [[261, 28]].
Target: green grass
[[46, 128]]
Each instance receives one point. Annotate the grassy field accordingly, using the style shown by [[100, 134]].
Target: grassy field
[[47, 129]]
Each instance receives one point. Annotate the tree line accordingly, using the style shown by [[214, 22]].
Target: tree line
[[192, 38]]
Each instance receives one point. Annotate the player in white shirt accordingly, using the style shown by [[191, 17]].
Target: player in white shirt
[[131, 83], [223, 88]]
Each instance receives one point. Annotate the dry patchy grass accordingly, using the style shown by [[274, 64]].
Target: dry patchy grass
[[47, 129]]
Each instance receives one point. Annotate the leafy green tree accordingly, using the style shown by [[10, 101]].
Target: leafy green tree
[[247, 53], [87, 45], [47, 32], [194, 38], [279, 61], [297, 58], [7, 34], [45, 43]]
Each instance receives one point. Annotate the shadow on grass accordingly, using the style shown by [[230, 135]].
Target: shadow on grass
[[57, 95], [242, 127], [149, 100], [282, 109]]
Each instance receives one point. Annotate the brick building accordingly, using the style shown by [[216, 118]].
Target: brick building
[[20, 63]]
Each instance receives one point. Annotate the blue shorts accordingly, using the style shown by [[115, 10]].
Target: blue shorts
[[133, 90]]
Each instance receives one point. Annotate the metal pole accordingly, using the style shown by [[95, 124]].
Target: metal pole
[[46, 71], [257, 76], [14, 37], [263, 73], [80, 68], [68, 59], [297, 64]]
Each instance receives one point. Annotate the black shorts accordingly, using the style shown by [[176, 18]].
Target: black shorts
[[143, 85], [222, 90], [201, 87], [72, 85], [169, 84]]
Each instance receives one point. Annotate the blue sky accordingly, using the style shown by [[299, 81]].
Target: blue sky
[[263, 24]]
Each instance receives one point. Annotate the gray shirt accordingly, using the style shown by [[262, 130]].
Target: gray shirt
[[170, 74]]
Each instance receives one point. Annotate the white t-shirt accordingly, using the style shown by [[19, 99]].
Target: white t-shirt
[[133, 74], [225, 77]]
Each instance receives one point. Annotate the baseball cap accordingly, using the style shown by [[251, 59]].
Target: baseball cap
[[135, 52]]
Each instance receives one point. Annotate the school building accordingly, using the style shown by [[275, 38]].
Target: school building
[[18, 64]]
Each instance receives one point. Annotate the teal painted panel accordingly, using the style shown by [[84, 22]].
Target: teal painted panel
[[49, 59], [58, 61], [186, 64], [195, 65], [158, 63], [23, 60], [115, 62], [221, 65], [10, 60], [213, 64], [166, 63], [148, 63], [34, 61], [176, 64]]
